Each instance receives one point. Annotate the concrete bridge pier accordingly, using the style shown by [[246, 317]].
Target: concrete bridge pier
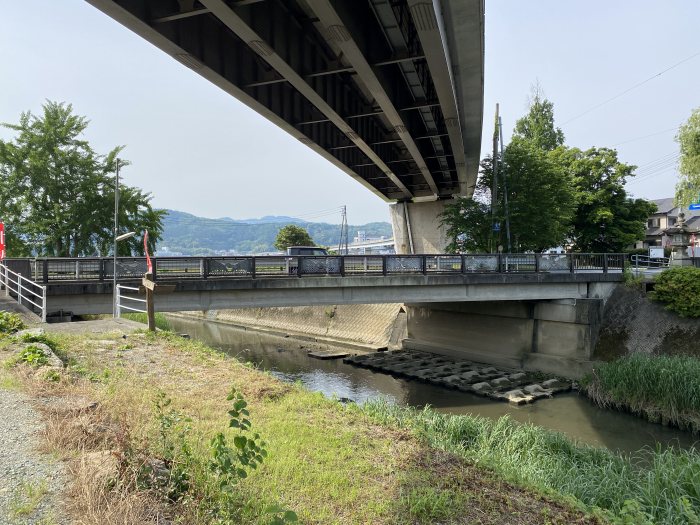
[[417, 227], [554, 336]]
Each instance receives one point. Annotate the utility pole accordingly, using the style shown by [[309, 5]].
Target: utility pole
[[505, 187], [116, 229], [343, 231], [495, 227]]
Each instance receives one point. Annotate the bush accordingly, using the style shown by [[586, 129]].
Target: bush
[[679, 289], [10, 323]]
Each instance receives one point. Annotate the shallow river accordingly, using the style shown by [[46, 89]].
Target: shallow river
[[569, 413]]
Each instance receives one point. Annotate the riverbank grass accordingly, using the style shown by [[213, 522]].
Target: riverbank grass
[[654, 486], [329, 463], [663, 389]]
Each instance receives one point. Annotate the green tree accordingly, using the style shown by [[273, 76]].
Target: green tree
[[57, 193], [606, 220], [292, 235], [537, 126], [688, 187], [541, 197], [541, 201]]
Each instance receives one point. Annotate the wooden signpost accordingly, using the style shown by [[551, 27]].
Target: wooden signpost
[[150, 287]]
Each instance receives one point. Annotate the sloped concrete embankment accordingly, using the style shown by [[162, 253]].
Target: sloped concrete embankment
[[633, 323], [370, 326]]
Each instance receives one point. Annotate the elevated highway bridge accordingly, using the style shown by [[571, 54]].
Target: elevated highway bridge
[[389, 91]]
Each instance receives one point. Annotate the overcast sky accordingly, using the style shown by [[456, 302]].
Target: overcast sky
[[199, 150]]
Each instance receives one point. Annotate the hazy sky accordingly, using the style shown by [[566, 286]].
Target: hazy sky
[[199, 150]]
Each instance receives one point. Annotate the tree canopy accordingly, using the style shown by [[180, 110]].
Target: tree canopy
[[605, 220], [688, 187], [537, 127], [556, 195], [292, 235], [57, 193]]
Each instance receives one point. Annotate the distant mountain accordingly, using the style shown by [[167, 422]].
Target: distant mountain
[[188, 234]]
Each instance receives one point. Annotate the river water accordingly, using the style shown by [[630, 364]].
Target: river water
[[286, 358]]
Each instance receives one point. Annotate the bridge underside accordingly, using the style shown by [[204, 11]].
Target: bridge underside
[[96, 298], [390, 91]]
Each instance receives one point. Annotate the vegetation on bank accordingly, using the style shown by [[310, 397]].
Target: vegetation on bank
[[679, 289], [664, 389], [162, 401], [162, 322], [658, 486]]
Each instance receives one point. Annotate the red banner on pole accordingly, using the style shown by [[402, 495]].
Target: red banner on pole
[[149, 264], [2, 241]]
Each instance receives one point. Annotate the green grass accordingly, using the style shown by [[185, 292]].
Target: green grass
[[661, 388], [27, 498], [162, 322], [663, 485]]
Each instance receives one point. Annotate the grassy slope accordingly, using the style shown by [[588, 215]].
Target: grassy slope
[[330, 463]]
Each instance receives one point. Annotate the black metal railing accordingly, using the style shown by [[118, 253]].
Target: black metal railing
[[48, 270]]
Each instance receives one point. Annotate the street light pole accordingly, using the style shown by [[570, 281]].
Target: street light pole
[[116, 225]]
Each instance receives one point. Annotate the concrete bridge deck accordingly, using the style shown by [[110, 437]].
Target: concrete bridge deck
[[84, 285]]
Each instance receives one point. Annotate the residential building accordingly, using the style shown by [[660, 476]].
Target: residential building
[[665, 216]]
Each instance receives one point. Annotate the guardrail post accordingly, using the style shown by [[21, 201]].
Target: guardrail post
[[537, 262], [117, 302], [572, 266], [204, 267], [101, 270], [463, 266], [605, 263], [300, 261], [499, 263], [342, 266], [154, 263], [384, 260], [19, 288], [43, 304], [252, 267], [424, 264], [45, 271]]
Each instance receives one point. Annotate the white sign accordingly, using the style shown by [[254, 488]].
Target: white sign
[[656, 253]]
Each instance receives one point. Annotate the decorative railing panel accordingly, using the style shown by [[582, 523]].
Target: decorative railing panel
[[179, 268]]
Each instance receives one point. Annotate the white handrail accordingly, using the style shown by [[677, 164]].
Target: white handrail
[[19, 287], [120, 306]]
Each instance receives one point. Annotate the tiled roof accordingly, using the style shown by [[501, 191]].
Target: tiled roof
[[664, 205]]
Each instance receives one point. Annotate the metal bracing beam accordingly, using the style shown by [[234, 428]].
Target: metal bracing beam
[[349, 46], [398, 59], [243, 31], [211, 68], [179, 16], [266, 82], [429, 26], [335, 71]]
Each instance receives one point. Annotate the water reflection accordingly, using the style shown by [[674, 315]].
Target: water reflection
[[569, 413]]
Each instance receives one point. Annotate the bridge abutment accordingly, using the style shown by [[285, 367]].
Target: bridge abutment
[[417, 227], [555, 336]]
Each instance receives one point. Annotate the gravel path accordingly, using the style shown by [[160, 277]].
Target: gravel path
[[22, 466]]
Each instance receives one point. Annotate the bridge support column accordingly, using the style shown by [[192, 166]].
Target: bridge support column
[[555, 336], [417, 227]]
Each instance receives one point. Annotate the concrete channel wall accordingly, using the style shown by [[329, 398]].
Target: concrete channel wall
[[370, 326], [550, 336], [632, 323]]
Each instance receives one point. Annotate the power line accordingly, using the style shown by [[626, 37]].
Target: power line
[[646, 136], [639, 84]]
